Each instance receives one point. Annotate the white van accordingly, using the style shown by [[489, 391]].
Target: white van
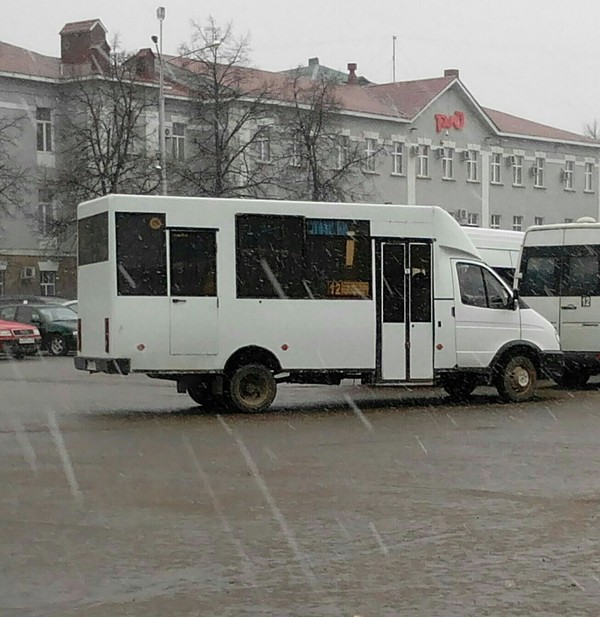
[[499, 248], [559, 276], [229, 297]]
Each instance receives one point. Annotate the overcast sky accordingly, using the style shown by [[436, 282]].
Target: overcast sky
[[538, 59]]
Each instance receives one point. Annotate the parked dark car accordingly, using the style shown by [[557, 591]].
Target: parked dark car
[[57, 324], [26, 298]]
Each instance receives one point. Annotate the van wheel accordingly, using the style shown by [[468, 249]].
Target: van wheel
[[516, 380], [57, 346], [201, 393], [573, 378], [251, 388], [459, 387]]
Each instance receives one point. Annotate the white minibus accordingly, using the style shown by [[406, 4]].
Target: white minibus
[[499, 248], [559, 276], [230, 297]]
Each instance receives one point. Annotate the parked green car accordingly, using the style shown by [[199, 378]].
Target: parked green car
[[57, 324]]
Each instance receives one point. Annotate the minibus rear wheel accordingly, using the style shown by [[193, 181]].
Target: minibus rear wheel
[[251, 388], [459, 387], [201, 393], [516, 379], [573, 378]]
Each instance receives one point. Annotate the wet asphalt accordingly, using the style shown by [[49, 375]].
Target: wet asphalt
[[121, 498]]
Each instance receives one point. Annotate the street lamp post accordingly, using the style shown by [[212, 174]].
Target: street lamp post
[[162, 144]]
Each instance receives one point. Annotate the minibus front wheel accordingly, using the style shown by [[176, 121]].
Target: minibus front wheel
[[516, 379]]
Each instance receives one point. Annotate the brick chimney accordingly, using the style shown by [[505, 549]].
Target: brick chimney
[[451, 73], [352, 74], [145, 63], [83, 47]]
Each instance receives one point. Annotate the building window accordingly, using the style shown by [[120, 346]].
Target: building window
[[47, 283], [178, 141], [472, 169], [296, 154], [538, 173], [370, 146], [568, 220], [47, 215], [496, 164], [473, 219], [397, 158], [447, 163], [44, 129], [588, 185], [263, 145], [495, 221], [342, 153], [423, 161], [517, 170], [538, 220], [517, 223], [567, 175]]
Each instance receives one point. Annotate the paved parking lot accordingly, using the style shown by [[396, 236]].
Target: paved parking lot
[[122, 498]]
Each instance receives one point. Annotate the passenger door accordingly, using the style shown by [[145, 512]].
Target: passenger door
[[193, 291], [405, 329], [580, 302]]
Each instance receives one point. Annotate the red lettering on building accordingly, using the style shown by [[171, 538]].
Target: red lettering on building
[[455, 121]]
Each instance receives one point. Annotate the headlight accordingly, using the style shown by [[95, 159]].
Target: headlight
[[5, 333], [36, 332]]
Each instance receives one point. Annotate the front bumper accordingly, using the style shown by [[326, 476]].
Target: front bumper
[[113, 366], [551, 363]]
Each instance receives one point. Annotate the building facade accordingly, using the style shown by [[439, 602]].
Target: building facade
[[424, 142]]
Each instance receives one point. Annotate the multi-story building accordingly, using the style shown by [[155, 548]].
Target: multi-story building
[[426, 141]]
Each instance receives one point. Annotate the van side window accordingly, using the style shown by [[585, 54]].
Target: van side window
[[540, 270], [479, 287], [581, 270]]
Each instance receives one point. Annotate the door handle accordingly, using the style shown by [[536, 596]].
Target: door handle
[[569, 307], [176, 300]]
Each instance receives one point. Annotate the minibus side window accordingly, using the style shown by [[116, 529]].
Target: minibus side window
[[141, 254], [479, 287], [540, 271], [581, 271]]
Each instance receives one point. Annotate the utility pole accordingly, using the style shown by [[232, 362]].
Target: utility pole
[[394, 58]]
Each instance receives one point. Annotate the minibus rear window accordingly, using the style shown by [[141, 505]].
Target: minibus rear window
[[92, 239]]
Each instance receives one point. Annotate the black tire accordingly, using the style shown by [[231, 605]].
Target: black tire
[[57, 346], [573, 378], [201, 393], [251, 388], [516, 379], [459, 387]]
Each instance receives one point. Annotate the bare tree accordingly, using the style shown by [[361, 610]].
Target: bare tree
[[13, 176], [592, 129], [231, 118], [102, 137], [323, 163]]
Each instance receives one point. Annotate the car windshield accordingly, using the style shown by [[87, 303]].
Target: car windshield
[[58, 313]]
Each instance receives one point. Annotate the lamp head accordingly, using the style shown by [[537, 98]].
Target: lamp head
[[154, 39]]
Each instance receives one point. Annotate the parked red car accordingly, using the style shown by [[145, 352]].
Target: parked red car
[[18, 339]]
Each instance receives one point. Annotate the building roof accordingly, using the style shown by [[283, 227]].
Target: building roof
[[81, 26], [18, 60], [403, 100], [519, 126], [409, 98]]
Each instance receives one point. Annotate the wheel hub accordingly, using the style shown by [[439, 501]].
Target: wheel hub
[[520, 377]]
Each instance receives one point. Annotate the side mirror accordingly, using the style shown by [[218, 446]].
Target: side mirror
[[515, 299]]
